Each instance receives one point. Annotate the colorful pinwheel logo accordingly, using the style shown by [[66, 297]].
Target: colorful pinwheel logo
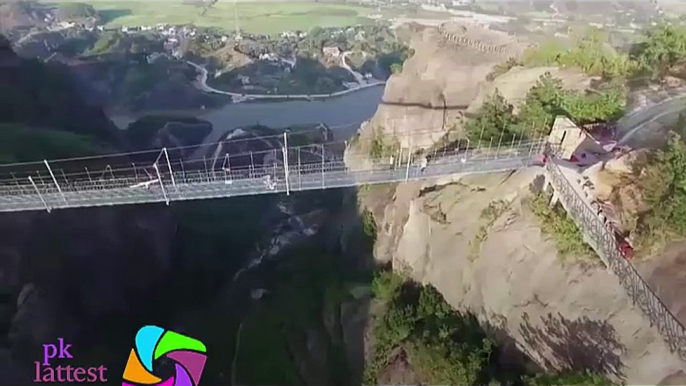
[[152, 343]]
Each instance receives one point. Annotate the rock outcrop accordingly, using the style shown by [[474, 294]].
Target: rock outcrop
[[562, 315], [445, 81], [66, 273], [435, 86]]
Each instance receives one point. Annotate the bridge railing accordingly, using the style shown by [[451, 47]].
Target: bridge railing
[[170, 183], [176, 173], [604, 243]]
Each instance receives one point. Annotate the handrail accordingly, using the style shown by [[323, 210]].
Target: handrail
[[602, 240]]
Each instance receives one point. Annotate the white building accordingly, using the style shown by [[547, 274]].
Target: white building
[[272, 57], [331, 51]]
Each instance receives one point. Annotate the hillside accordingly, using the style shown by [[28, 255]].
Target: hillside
[[482, 242], [46, 97]]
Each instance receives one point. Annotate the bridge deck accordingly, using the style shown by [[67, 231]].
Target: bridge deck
[[196, 184]]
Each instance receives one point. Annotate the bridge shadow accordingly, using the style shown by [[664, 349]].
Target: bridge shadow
[[427, 106], [574, 345], [555, 344]]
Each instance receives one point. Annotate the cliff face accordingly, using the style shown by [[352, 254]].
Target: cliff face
[[560, 314], [436, 84], [68, 272], [445, 81], [45, 96]]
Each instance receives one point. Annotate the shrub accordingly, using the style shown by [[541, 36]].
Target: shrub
[[386, 285], [495, 121], [396, 68], [490, 214], [369, 224], [564, 231], [445, 346], [663, 184]]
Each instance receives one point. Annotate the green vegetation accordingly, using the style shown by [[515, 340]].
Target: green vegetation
[[263, 357], [306, 291], [20, 143], [663, 184], [496, 121], [255, 17], [75, 11], [116, 42], [368, 224], [445, 346], [661, 49], [589, 52], [489, 215], [502, 68], [371, 49], [562, 228], [396, 68], [382, 147], [548, 99]]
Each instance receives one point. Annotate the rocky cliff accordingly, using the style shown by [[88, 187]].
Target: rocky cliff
[[445, 81], [561, 315], [69, 273], [550, 313]]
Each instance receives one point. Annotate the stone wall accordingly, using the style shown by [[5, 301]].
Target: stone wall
[[455, 41]]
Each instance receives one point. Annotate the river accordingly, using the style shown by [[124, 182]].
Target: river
[[346, 112]]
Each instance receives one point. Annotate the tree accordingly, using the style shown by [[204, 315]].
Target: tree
[[495, 121], [664, 47], [396, 68], [75, 11], [445, 346], [663, 183], [548, 98]]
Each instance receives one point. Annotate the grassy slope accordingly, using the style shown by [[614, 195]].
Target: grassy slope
[[19, 143], [258, 17], [254, 17]]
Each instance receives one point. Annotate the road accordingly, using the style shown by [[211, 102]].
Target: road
[[665, 112], [201, 82], [358, 77]]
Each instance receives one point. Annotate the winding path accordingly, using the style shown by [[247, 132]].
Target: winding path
[[665, 112], [201, 82]]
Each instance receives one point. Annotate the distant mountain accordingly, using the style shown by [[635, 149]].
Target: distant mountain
[[46, 96], [573, 7], [23, 14]]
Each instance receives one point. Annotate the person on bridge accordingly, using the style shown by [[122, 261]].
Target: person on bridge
[[227, 176], [391, 162], [423, 165]]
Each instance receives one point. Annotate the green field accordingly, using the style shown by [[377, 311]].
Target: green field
[[254, 17]]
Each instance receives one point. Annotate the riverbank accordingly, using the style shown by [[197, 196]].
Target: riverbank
[[201, 83], [344, 114]]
